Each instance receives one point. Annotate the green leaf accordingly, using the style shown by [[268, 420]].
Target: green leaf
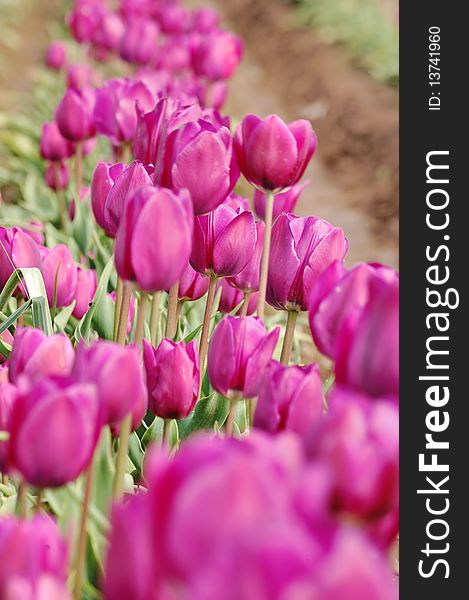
[[82, 224], [83, 330], [14, 316], [207, 412], [63, 316], [103, 318]]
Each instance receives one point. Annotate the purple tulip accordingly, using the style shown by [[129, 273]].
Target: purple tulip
[[83, 20], [8, 395], [139, 43], [231, 297], [74, 115], [104, 177], [173, 18], [238, 356], [114, 111], [117, 373], [301, 249], [60, 275], [173, 378], [17, 250], [53, 145], [80, 77], [290, 399], [192, 285], [57, 176], [238, 203], [272, 155], [36, 355], [85, 290], [56, 55], [367, 350], [34, 563], [129, 180], [285, 202], [338, 295], [154, 240], [108, 34], [247, 280], [211, 94], [199, 157], [217, 55], [224, 241], [130, 319], [205, 20], [58, 414]]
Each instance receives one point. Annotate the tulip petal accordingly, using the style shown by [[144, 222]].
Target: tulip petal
[[221, 362], [235, 246], [258, 363]]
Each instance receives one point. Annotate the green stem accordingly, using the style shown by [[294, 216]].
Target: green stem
[[39, 497], [155, 318], [122, 455], [123, 314], [206, 324], [141, 314], [117, 307], [245, 305], [21, 497], [166, 441], [78, 167], [171, 320], [60, 197], [288, 337], [269, 208], [82, 535], [231, 417]]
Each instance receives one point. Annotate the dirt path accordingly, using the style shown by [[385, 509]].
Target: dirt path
[[289, 72]]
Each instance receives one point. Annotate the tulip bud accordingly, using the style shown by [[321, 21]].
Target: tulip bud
[[53, 145], [117, 373], [205, 20], [247, 280], [173, 18], [199, 157], [153, 243], [58, 414], [238, 356], [57, 176], [83, 20], [85, 291], [8, 395], [192, 286], [79, 77], [36, 355], [108, 34], [367, 350], [231, 297], [285, 202], [60, 275], [17, 250], [139, 43], [272, 155], [125, 184], [56, 55], [104, 177], [74, 115], [224, 241], [173, 378], [131, 315], [290, 399], [175, 55], [34, 559], [218, 55], [212, 94], [301, 250]]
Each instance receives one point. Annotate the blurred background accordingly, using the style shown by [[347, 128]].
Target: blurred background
[[334, 62]]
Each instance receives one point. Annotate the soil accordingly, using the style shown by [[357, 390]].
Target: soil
[[289, 70]]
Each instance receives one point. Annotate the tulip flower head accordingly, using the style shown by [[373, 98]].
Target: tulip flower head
[[218, 55], [247, 280], [232, 297], [192, 285], [17, 249], [56, 55], [104, 177], [60, 275], [57, 176], [74, 115], [8, 395], [53, 145], [85, 290]]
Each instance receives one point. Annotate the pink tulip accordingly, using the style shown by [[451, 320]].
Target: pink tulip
[[205, 20], [8, 395], [117, 374], [58, 414], [290, 399], [104, 177], [153, 243], [301, 250], [85, 290], [331, 305], [173, 378], [114, 111], [238, 203], [192, 285], [199, 157], [224, 241], [108, 34], [130, 319], [17, 249], [367, 351], [285, 202], [218, 55], [247, 280], [231, 297], [34, 559], [57, 176], [139, 43], [173, 18], [60, 275], [36, 355], [238, 356], [175, 54], [80, 77], [211, 94], [272, 155], [53, 145], [125, 184], [56, 55], [74, 115], [84, 19]]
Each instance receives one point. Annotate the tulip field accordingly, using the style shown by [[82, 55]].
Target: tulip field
[[161, 436]]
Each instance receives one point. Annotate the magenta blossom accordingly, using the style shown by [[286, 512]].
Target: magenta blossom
[[285, 202], [238, 356], [85, 290], [57, 176], [60, 275], [36, 355], [56, 55], [104, 177], [74, 115], [272, 155], [217, 55], [192, 285], [302, 248], [290, 399], [108, 34], [247, 280], [8, 393], [154, 240], [173, 378], [205, 19], [80, 77], [53, 145], [17, 249], [130, 319], [224, 241], [139, 43], [231, 297]]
